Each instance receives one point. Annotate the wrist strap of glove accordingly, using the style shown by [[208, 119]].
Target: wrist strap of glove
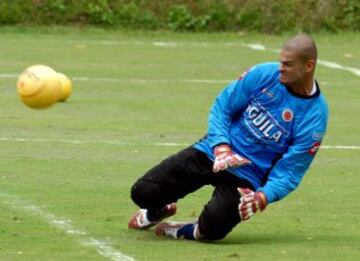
[[220, 149], [262, 200]]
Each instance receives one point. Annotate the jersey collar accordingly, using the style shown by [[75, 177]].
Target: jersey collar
[[316, 94]]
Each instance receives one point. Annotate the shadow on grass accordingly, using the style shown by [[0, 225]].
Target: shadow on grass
[[270, 239], [245, 238], [273, 239], [252, 238]]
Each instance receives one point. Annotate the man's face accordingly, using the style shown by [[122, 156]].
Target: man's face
[[292, 69]]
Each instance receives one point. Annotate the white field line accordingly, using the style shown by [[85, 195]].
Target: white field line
[[142, 81], [327, 64], [138, 80], [339, 147], [161, 144], [132, 80], [253, 46], [65, 225], [353, 70]]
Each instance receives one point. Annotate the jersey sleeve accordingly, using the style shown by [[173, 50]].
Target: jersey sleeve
[[230, 102], [288, 172]]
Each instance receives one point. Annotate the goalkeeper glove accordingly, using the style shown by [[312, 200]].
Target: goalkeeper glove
[[251, 202], [225, 158]]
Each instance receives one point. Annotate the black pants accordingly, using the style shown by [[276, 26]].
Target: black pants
[[186, 172]]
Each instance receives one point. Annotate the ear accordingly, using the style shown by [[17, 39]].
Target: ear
[[310, 65]]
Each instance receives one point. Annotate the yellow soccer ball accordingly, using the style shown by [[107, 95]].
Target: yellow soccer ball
[[66, 87], [39, 86]]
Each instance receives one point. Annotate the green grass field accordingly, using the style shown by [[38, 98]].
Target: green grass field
[[66, 172]]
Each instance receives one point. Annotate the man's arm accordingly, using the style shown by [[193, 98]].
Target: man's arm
[[288, 173], [283, 179], [230, 102], [289, 170]]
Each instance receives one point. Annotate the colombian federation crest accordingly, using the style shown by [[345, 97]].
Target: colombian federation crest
[[287, 115]]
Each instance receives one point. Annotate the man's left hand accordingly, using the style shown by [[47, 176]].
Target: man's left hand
[[251, 202]]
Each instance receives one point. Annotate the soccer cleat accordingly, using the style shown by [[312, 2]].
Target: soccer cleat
[[140, 220], [177, 230], [169, 229]]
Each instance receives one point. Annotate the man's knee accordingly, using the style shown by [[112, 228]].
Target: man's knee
[[212, 236], [216, 225], [141, 194]]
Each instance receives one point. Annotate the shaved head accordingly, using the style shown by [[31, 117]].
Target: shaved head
[[304, 47], [298, 62]]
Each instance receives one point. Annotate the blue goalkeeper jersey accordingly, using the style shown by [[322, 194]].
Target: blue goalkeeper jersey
[[265, 121]]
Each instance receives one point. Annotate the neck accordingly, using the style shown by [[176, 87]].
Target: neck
[[304, 88]]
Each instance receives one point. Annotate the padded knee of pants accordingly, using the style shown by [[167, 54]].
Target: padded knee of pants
[[146, 195], [215, 223], [213, 228], [212, 234], [139, 194]]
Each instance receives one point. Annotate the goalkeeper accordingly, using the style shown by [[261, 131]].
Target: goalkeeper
[[264, 130]]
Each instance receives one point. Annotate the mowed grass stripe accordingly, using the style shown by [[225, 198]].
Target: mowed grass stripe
[[142, 80], [65, 226], [90, 182], [124, 143]]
